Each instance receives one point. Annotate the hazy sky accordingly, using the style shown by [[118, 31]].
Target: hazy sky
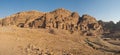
[[100, 9]]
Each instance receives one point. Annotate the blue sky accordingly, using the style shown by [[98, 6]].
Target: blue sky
[[100, 9]]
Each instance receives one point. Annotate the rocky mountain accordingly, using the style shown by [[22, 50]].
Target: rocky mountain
[[107, 26], [59, 19], [110, 26], [117, 26], [111, 29]]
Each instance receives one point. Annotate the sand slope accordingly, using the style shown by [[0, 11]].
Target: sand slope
[[25, 41]]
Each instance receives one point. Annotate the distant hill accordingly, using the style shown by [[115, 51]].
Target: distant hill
[[111, 26], [111, 29]]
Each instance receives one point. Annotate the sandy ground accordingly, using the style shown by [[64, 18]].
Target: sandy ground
[[25, 41]]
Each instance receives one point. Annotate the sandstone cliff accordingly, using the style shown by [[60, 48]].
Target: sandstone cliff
[[59, 19]]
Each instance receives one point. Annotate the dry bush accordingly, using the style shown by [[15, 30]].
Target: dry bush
[[51, 31]]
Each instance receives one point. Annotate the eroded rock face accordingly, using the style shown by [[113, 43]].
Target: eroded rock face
[[89, 25], [59, 18], [21, 18], [0, 22]]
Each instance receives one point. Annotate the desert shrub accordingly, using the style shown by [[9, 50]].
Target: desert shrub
[[51, 31]]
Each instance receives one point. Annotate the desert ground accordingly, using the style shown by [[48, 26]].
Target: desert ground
[[26, 41]]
